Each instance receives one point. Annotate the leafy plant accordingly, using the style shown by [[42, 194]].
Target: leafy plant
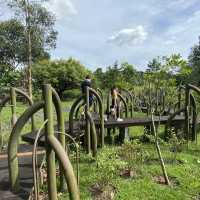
[[133, 153], [176, 145], [108, 166]]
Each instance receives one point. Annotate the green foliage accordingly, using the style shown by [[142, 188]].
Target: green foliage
[[133, 153], [71, 94], [108, 166], [122, 76], [176, 145], [154, 65], [61, 74], [40, 21], [9, 77], [194, 60]]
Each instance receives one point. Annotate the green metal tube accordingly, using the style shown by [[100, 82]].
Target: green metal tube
[[194, 117], [13, 106], [101, 114], [78, 109], [72, 111], [13, 144], [187, 120], [169, 121], [125, 104], [49, 131], [87, 135], [94, 134], [61, 128], [68, 170], [2, 104], [30, 101], [131, 100], [100, 93], [108, 103]]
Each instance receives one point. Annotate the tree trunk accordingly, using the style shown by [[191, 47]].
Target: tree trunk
[[29, 66]]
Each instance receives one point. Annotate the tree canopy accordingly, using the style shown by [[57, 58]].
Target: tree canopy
[[61, 74]]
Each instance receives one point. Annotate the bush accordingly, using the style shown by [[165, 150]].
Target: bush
[[71, 94]]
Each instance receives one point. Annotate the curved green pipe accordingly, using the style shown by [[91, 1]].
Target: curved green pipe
[[94, 134], [100, 92], [169, 121], [108, 103], [194, 117], [131, 99], [71, 113], [78, 109], [49, 131], [67, 167], [14, 141], [101, 113], [187, 105], [125, 104], [2, 104], [61, 128], [30, 101]]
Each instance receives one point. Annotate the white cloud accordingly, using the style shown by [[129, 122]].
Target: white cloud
[[131, 36], [61, 8], [170, 41], [181, 4]]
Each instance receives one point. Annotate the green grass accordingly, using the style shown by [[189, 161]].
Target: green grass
[[143, 187], [5, 118]]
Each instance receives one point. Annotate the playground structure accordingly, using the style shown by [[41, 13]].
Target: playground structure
[[91, 127]]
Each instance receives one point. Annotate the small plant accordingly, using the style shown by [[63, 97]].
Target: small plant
[[176, 145], [133, 153], [108, 165]]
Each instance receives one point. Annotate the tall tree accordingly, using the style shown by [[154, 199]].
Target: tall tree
[[38, 24], [61, 74], [194, 61], [154, 65]]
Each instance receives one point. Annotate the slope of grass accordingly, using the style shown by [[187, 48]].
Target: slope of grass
[[186, 175]]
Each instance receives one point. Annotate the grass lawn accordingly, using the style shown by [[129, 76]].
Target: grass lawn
[[107, 172], [184, 175]]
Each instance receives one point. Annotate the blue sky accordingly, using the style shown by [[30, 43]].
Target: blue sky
[[99, 32]]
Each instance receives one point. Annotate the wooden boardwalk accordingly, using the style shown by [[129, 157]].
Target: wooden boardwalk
[[111, 123], [26, 174]]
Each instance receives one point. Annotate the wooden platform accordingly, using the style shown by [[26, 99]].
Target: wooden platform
[[111, 123], [25, 173]]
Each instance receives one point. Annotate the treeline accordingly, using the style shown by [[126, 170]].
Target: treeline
[[34, 20]]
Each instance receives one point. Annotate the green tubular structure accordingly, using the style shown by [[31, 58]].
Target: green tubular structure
[[14, 141], [2, 104], [12, 97], [13, 102], [30, 101], [131, 100], [78, 109], [94, 134], [100, 93], [108, 103], [180, 88], [34, 161], [49, 131], [66, 164], [169, 121], [101, 113], [189, 87], [72, 111], [61, 128], [194, 117], [87, 127], [125, 104]]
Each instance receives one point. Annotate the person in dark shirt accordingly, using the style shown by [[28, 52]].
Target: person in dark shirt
[[87, 83]]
